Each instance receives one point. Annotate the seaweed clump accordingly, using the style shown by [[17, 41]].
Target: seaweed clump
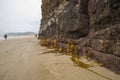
[[70, 49]]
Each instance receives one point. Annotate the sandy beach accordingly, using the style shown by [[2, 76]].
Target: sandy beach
[[23, 59]]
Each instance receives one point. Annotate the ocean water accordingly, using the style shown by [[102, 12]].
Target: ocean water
[[1, 38], [16, 37]]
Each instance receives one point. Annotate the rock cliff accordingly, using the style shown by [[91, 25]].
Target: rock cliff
[[93, 24]]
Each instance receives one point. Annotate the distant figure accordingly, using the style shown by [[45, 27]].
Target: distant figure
[[36, 35], [5, 36]]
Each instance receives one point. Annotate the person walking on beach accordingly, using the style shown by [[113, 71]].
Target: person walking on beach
[[5, 36]]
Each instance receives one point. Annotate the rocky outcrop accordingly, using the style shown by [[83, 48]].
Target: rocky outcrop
[[67, 20], [104, 19], [89, 23]]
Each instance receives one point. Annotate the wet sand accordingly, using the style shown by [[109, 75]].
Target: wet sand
[[22, 59]]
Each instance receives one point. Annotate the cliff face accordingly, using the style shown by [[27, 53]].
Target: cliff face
[[105, 19], [95, 23], [66, 19]]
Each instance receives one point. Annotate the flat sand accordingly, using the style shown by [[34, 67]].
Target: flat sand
[[23, 59]]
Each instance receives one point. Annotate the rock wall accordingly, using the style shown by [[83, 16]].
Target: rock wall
[[104, 19], [90, 23], [65, 18]]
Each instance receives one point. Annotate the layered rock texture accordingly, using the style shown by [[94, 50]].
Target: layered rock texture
[[91, 24]]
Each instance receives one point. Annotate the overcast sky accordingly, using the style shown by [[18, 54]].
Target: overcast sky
[[20, 15]]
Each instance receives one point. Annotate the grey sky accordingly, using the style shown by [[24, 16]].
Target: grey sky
[[20, 15]]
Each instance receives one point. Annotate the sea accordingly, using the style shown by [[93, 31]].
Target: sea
[[15, 37], [18, 35]]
